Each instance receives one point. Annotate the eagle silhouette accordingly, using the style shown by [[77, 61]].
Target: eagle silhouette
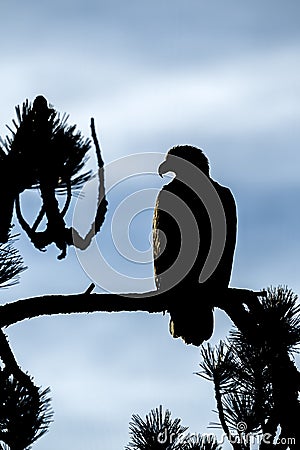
[[183, 229]]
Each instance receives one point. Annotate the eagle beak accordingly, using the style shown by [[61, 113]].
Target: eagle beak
[[162, 169]]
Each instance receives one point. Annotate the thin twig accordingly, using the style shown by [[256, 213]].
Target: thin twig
[[96, 143], [90, 288], [26, 227], [72, 235]]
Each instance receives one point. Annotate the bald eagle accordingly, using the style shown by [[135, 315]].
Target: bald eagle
[[194, 230]]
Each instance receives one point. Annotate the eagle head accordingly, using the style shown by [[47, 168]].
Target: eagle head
[[194, 155]]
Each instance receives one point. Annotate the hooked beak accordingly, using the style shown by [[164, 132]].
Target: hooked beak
[[163, 169]]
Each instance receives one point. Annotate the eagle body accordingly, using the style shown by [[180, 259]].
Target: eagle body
[[182, 237]]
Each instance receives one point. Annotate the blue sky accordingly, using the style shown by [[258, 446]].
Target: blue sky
[[223, 76]]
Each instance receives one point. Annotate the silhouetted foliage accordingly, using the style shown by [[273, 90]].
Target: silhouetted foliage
[[257, 384], [25, 413], [201, 442], [43, 141], [44, 152], [159, 432], [11, 264]]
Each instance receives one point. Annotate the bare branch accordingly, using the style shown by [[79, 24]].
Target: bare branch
[[151, 302], [11, 365], [90, 288], [26, 227], [38, 218], [96, 143]]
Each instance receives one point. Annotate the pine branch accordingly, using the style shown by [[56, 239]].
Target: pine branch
[[222, 417], [11, 264]]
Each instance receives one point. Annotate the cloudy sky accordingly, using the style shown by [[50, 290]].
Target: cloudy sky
[[223, 76]]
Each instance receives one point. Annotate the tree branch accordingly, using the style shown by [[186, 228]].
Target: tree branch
[[71, 234], [236, 445], [11, 365], [151, 302], [56, 231]]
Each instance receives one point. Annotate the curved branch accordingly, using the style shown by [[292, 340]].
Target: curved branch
[[38, 219], [59, 234], [26, 227], [7, 355], [72, 235], [218, 396], [96, 143], [63, 211], [11, 365], [151, 302], [39, 239]]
